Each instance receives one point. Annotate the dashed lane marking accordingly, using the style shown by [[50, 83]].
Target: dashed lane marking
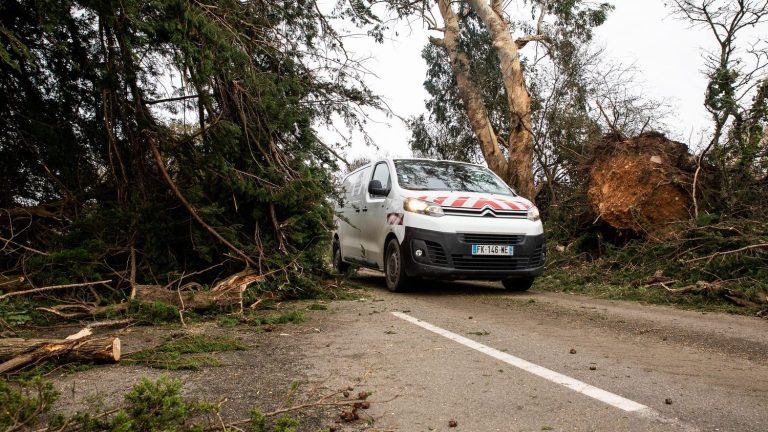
[[540, 371]]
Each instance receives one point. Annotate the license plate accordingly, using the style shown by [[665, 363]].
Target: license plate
[[478, 249]]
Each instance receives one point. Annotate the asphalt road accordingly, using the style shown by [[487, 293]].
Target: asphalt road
[[497, 361]]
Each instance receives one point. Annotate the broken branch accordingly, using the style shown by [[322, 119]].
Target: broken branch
[[52, 288], [716, 254]]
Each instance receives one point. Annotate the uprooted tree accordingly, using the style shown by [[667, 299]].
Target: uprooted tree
[[151, 142]]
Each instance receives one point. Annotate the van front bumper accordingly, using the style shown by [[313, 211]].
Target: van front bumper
[[449, 255]]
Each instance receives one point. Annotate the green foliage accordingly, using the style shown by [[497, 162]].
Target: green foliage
[[12, 314], [22, 404], [228, 321], [148, 406], [88, 105], [153, 312], [172, 353], [292, 317], [692, 258], [258, 421], [153, 406], [17, 311], [285, 424]]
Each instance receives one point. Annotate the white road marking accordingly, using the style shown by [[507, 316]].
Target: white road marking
[[556, 377]]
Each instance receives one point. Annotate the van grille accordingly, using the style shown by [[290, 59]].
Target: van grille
[[478, 262], [504, 239], [537, 259], [436, 253]]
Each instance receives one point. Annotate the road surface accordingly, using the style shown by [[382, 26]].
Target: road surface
[[491, 360]]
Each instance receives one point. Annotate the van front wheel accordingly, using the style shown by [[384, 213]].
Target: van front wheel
[[394, 270], [517, 284]]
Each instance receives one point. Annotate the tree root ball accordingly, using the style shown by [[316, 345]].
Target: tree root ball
[[642, 183]]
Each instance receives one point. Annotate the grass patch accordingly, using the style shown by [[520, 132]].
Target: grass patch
[[317, 306], [292, 317], [227, 321], [183, 353]]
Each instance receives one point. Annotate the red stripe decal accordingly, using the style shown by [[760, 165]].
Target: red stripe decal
[[394, 218], [459, 202], [423, 197], [514, 206], [439, 200], [482, 202]]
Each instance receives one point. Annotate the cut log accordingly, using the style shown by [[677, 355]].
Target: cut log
[[16, 352]]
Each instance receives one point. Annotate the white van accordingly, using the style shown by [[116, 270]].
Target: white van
[[416, 218]]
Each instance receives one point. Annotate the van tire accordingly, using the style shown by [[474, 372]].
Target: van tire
[[338, 264], [517, 284], [394, 270]]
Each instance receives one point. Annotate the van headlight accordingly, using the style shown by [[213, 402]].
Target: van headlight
[[428, 208], [533, 214]]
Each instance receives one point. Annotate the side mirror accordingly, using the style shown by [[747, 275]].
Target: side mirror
[[375, 188]]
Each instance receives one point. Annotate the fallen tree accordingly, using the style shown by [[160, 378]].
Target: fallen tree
[[225, 294]]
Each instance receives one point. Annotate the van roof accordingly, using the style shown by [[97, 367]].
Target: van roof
[[407, 159]]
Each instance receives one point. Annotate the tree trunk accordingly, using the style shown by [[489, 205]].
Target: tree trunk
[[225, 294], [520, 165], [16, 353], [470, 95]]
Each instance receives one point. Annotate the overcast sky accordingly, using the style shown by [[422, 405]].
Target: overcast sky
[[666, 52]]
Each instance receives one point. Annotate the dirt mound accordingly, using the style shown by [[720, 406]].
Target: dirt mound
[[641, 183]]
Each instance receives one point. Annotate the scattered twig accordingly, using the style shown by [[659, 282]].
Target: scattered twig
[[318, 403], [132, 279], [716, 254]]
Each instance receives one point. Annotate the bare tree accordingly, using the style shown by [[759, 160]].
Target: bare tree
[[734, 75]]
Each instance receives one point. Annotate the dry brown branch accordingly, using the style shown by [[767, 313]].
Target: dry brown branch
[[276, 226], [132, 279], [83, 310], [716, 254], [52, 288], [322, 402], [11, 282], [27, 248]]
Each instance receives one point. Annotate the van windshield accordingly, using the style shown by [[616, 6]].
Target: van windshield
[[414, 174]]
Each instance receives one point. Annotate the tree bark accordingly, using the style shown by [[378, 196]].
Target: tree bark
[[520, 164], [469, 93], [16, 353]]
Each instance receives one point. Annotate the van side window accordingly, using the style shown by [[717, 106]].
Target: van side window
[[381, 173]]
